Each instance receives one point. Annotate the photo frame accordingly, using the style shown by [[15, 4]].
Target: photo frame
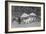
[[25, 16]]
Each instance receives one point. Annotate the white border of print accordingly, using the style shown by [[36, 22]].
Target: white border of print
[[23, 29]]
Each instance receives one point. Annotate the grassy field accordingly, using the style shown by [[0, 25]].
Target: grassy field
[[33, 24]]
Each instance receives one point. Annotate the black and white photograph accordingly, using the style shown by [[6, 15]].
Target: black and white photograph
[[24, 16]]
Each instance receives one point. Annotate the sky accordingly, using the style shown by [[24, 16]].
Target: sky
[[19, 10]]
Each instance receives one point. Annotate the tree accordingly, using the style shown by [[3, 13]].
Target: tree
[[19, 20]]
